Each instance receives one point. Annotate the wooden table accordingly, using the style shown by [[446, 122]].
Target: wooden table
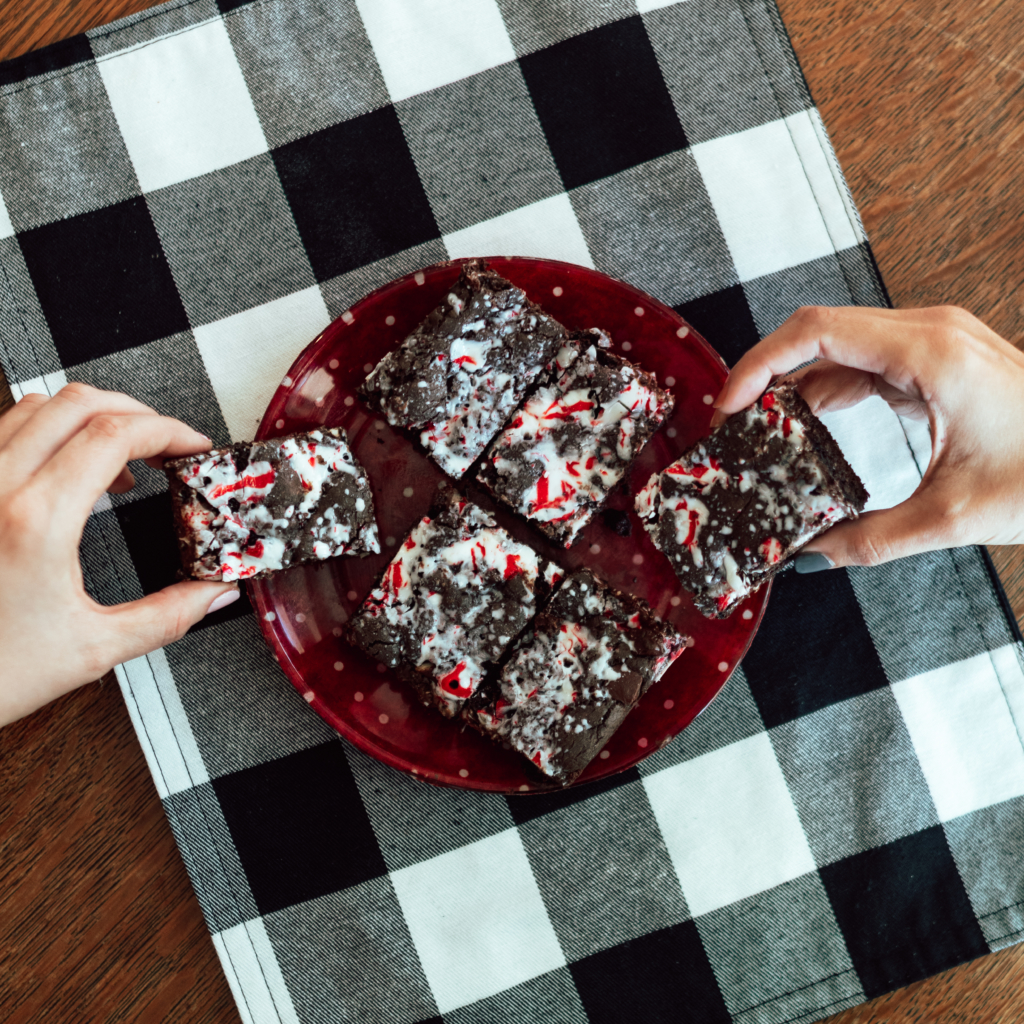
[[925, 103]]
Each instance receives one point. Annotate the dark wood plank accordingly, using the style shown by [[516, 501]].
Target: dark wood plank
[[98, 921]]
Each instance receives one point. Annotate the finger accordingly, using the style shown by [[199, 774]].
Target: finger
[[134, 629], [92, 460], [53, 425], [878, 341], [910, 528], [123, 483], [18, 415], [827, 387]]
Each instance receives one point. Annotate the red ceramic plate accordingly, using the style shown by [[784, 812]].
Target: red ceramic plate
[[302, 611]]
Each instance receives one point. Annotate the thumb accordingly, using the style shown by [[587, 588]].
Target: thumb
[[158, 619], [912, 527]]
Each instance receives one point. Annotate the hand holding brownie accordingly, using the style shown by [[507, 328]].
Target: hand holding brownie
[[57, 457], [940, 363]]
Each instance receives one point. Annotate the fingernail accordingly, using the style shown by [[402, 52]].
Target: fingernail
[[223, 600], [812, 561], [718, 419]]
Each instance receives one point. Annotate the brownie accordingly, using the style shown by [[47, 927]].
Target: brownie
[[255, 507], [459, 375], [574, 439], [452, 600], [733, 509], [591, 654]]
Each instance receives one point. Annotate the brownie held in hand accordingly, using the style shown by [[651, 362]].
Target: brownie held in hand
[[245, 511], [459, 375], [731, 510], [452, 600], [575, 439], [575, 675]]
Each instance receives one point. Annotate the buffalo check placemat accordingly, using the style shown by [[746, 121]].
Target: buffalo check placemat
[[191, 194]]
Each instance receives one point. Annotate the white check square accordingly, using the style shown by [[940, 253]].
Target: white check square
[[6, 227], [48, 384], [423, 44], [730, 824], [182, 106], [548, 229], [960, 720], [247, 354], [763, 200], [477, 920]]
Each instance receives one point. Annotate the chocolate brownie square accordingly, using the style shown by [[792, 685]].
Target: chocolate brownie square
[[452, 600], [575, 675], [248, 510], [574, 439], [733, 509], [459, 375]]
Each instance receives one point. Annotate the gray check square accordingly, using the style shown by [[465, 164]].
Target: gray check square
[[604, 871], [654, 226], [764, 23], [210, 857], [478, 147], [776, 297], [732, 716], [986, 846], [977, 587], [331, 949], [242, 710], [144, 27], [414, 821], [712, 68], [25, 340], [110, 577], [854, 776], [307, 65], [780, 955], [343, 291], [897, 600], [551, 998], [230, 240], [865, 286], [60, 150], [534, 26]]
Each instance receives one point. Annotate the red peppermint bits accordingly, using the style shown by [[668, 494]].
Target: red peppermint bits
[[787, 427], [255, 550], [463, 360], [512, 566], [767, 401], [771, 550], [256, 483], [453, 684], [772, 417], [723, 602], [571, 467]]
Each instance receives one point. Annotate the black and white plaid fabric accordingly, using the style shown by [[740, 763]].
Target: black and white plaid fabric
[[190, 195]]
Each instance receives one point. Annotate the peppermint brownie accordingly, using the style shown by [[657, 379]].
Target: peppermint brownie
[[459, 375], [731, 510], [573, 678], [452, 600], [574, 439], [255, 507]]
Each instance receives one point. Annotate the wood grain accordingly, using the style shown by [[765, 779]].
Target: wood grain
[[925, 105]]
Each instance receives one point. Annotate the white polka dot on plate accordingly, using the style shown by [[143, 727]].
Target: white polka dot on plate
[[682, 332], [300, 617], [286, 382], [604, 755], [338, 666], [347, 316], [352, 595], [557, 290], [310, 696], [671, 431], [642, 742], [670, 382], [379, 425], [349, 400], [367, 367], [748, 614], [358, 696], [408, 492], [318, 401], [638, 559], [595, 549], [524, 788], [723, 666], [627, 346], [336, 630], [278, 424], [639, 310], [669, 704], [708, 399], [270, 616], [419, 277], [676, 601], [333, 364], [389, 320], [383, 719], [382, 669], [463, 774]]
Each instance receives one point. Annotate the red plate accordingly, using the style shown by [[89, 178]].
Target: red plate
[[302, 611]]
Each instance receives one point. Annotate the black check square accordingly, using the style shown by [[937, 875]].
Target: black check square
[[103, 281], [813, 648], [662, 977], [355, 193], [903, 911], [290, 820], [724, 320], [602, 102]]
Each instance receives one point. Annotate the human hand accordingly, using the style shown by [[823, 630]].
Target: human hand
[[57, 457], [942, 364]]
